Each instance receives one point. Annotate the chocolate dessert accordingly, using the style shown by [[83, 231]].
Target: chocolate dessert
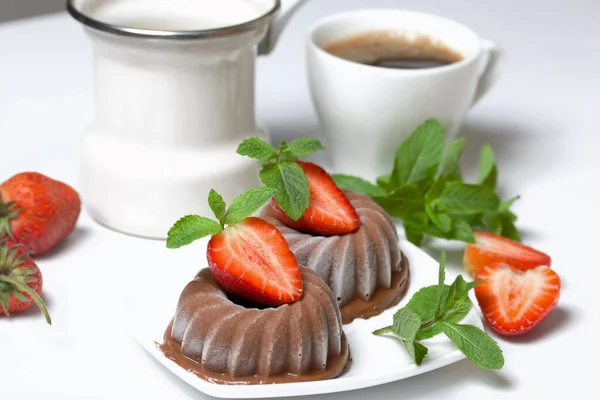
[[228, 341], [366, 270]]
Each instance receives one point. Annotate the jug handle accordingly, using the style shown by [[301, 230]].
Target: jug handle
[[287, 9]]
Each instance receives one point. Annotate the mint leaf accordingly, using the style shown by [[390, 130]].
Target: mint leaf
[[463, 231], [462, 198], [488, 173], [402, 202], [247, 204], [217, 205], [475, 344], [423, 302], [507, 204], [257, 148], [419, 156], [191, 228], [457, 301], [357, 185], [441, 279], [492, 223], [405, 327], [420, 353], [406, 324], [301, 147], [509, 229], [384, 182], [441, 220], [435, 190], [449, 168], [292, 191], [458, 292], [413, 236]]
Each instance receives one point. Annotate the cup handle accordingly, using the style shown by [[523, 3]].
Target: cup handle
[[493, 67], [287, 10]]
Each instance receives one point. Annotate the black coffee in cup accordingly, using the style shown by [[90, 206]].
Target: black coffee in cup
[[392, 49]]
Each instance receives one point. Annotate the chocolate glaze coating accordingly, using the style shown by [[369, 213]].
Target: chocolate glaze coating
[[226, 342], [365, 269]]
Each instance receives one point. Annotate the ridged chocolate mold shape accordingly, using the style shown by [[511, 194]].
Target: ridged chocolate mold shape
[[226, 342], [366, 270]]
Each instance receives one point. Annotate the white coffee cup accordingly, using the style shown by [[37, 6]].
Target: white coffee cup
[[367, 111]]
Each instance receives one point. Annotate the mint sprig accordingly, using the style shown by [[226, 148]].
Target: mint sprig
[[281, 172], [426, 190], [194, 227], [439, 309]]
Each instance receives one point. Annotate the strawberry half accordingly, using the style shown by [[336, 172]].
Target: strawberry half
[[513, 302], [329, 213], [252, 260], [489, 249]]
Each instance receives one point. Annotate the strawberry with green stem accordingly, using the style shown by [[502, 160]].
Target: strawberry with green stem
[[20, 281], [247, 256], [36, 211]]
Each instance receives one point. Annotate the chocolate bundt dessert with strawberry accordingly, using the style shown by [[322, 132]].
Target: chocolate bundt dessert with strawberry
[[350, 241], [255, 316]]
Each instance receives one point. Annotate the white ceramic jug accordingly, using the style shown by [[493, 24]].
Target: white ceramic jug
[[174, 97]]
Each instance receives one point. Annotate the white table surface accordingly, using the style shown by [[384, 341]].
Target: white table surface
[[542, 120]]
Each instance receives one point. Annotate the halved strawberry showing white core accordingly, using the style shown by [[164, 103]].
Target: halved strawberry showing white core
[[514, 301], [252, 260]]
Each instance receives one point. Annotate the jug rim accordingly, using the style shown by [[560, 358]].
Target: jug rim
[[122, 30]]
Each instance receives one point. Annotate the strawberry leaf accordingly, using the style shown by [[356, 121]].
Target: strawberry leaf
[[191, 228]]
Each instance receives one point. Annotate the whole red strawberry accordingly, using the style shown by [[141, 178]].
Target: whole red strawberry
[[36, 211], [20, 280]]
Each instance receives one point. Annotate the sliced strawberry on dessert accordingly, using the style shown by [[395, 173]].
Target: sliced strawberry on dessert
[[514, 301], [489, 249], [252, 260], [329, 213]]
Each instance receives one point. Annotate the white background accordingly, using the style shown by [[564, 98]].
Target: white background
[[541, 120]]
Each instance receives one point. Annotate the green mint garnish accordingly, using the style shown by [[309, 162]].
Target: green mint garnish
[[426, 190], [450, 168], [217, 205], [191, 228], [479, 348], [281, 173], [419, 157], [357, 185], [247, 204], [194, 227], [487, 174], [438, 309]]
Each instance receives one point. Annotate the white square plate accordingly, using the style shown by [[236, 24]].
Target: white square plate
[[375, 360]]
